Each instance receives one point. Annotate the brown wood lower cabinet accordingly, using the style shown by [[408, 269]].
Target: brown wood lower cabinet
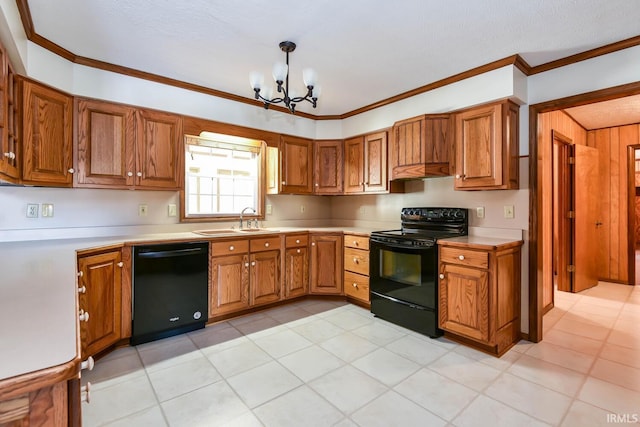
[[326, 263], [100, 295], [296, 265], [356, 267], [479, 290]]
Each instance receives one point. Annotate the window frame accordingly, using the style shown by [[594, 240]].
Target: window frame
[[209, 139]]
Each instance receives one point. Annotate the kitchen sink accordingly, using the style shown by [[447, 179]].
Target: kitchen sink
[[254, 230], [215, 232]]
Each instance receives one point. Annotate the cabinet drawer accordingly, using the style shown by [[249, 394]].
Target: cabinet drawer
[[229, 247], [357, 242], [265, 244], [297, 240], [464, 257], [356, 260], [356, 285]]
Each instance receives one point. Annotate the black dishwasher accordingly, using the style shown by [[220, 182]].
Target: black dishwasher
[[170, 287]]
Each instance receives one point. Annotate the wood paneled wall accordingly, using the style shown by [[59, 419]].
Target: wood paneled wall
[[612, 144], [547, 123]]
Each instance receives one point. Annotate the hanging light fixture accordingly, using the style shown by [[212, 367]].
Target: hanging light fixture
[[281, 76]]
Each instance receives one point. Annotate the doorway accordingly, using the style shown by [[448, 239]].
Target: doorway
[[540, 218]]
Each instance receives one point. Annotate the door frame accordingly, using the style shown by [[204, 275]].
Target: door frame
[[563, 186], [631, 204], [536, 253]]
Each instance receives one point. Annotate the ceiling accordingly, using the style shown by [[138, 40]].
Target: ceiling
[[364, 51]]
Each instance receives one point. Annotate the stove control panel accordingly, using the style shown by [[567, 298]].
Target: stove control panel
[[433, 214]]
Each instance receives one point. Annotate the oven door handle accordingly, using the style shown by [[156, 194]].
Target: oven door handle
[[398, 301], [410, 248]]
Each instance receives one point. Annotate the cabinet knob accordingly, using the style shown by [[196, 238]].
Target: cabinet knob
[[356, 260], [80, 274], [441, 276], [246, 264], [355, 243], [461, 257], [71, 170], [313, 244], [231, 248], [317, 185], [84, 316], [129, 173], [139, 174], [298, 251], [355, 285], [82, 290], [284, 182], [297, 240], [266, 245], [88, 364], [8, 155], [120, 264], [85, 391], [253, 263], [13, 155]]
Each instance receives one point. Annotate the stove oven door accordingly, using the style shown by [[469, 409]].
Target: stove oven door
[[404, 273]]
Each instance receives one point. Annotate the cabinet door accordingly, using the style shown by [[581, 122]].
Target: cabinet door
[[375, 162], [464, 301], [47, 136], [100, 295], [159, 150], [326, 264], [328, 167], [265, 277], [296, 165], [229, 284], [105, 144], [9, 149], [296, 275], [354, 165]]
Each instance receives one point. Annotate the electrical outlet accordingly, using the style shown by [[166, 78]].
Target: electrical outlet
[[32, 210], [173, 209], [47, 210], [509, 212], [269, 209], [142, 210], [301, 208], [480, 211]]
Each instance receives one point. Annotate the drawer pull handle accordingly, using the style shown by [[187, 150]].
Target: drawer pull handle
[[266, 245], [86, 393], [84, 316], [139, 174], [80, 273], [442, 276], [129, 173], [231, 248], [297, 240], [356, 260], [355, 285], [246, 264], [461, 257], [298, 251], [355, 243], [120, 264], [253, 263], [82, 290], [88, 364], [313, 244], [71, 170]]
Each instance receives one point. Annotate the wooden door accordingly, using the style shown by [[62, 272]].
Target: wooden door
[[229, 284], [9, 153], [478, 147], [47, 136], [265, 277], [354, 165], [375, 162], [105, 144], [586, 196], [562, 216], [100, 295], [328, 156], [296, 165], [326, 264], [296, 276], [464, 301], [159, 150]]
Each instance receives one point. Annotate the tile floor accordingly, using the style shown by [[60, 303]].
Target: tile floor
[[320, 363]]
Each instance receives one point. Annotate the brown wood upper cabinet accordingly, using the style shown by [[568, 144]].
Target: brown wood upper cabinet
[[365, 164], [9, 146], [422, 146], [47, 155], [487, 147], [328, 158], [119, 146], [296, 165]]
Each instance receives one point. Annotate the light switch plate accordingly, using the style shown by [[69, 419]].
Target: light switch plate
[[47, 210], [173, 209], [269, 209], [480, 211], [142, 210], [509, 212]]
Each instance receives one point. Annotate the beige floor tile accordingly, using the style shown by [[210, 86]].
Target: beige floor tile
[[624, 355], [348, 346], [379, 333], [610, 397], [549, 375], [465, 370], [417, 350], [564, 357], [386, 366], [613, 372], [183, 378], [318, 330], [282, 343], [486, 412], [584, 415], [149, 417], [300, 407], [573, 342], [259, 385], [311, 362], [532, 399], [440, 395], [161, 354], [392, 409]]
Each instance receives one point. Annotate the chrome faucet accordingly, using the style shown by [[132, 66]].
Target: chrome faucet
[[242, 213]]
